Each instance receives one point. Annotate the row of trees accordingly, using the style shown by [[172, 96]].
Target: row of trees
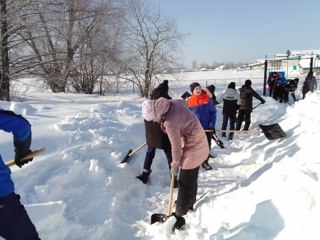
[[71, 45]]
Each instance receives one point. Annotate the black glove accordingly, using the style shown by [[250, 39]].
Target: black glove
[[19, 156]]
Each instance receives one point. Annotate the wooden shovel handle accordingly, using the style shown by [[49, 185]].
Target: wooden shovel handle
[[171, 195], [138, 148], [30, 155]]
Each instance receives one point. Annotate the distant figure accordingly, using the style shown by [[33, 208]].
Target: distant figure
[[272, 81], [279, 92], [290, 88], [231, 104], [309, 84], [246, 94]]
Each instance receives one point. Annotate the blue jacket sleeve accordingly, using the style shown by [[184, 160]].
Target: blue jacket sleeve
[[19, 127]]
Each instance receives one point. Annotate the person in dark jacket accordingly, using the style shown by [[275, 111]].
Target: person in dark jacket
[[290, 88], [203, 107], [272, 82], [246, 94], [155, 137], [15, 223], [231, 104], [309, 84]]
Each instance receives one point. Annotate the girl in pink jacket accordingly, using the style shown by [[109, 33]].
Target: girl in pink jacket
[[188, 141]]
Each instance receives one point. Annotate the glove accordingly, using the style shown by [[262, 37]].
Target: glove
[[19, 156], [174, 171], [263, 101]]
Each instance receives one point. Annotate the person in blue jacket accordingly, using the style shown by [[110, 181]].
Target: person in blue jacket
[[201, 104], [15, 223]]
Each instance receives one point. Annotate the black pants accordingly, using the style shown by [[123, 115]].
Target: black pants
[[246, 116], [15, 223], [209, 138], [225, 120], [187, 191], [151, 154]]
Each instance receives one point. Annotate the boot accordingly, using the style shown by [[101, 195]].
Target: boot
[[206, 165], [144, 176], [230, 137], [180, 223]]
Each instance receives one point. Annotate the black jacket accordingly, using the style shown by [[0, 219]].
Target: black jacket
[[246, 94], [155, 137]]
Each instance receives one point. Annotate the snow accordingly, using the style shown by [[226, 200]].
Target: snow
[[78, 189]]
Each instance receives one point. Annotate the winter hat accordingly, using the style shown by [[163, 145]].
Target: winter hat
[[232, 85], [193, 86], [164, 86], [211, 88], [160, 91], [147, 110], [248, 83]]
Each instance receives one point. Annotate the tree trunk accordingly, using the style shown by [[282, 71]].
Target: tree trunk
[[4, 70]]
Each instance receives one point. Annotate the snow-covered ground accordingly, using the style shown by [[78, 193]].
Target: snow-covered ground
[[78, 189]]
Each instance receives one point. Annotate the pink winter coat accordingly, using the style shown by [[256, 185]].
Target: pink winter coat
[[188, 139]]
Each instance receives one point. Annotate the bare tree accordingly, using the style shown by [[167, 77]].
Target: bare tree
[[150, 45], [61, 50], [8, 32]]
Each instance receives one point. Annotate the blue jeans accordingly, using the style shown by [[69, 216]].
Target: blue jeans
[[151, 152], [15, 223]]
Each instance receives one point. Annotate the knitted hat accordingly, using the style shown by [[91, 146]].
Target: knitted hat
[[161, 91], [147, 110], [211, 88], [164, 86], [193, 86], [248, 83], [232, 85]]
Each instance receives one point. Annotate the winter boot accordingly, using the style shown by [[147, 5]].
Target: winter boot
[[206, 165], [144, 176], [180, 223], [230, 137]]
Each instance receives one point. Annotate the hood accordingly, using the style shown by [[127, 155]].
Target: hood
[[160, 107]]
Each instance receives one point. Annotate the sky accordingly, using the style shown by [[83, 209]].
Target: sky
[[78, 189], [243, 31]]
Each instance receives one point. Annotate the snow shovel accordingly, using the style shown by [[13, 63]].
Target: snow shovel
[[130, 153], [185, 95], [217, 140], [160, 217], [30, 155], [273, 131]]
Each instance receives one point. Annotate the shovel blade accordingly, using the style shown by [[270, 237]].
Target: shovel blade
[[158, 217], [273, 131], [126, 157], [217, 140], [185, 95]]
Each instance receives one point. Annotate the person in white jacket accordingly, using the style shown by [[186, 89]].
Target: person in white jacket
[[231, 103]]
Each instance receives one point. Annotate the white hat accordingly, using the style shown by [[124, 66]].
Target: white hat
[[147, 110]]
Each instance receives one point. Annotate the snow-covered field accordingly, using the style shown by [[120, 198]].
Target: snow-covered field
[[78, 189]]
